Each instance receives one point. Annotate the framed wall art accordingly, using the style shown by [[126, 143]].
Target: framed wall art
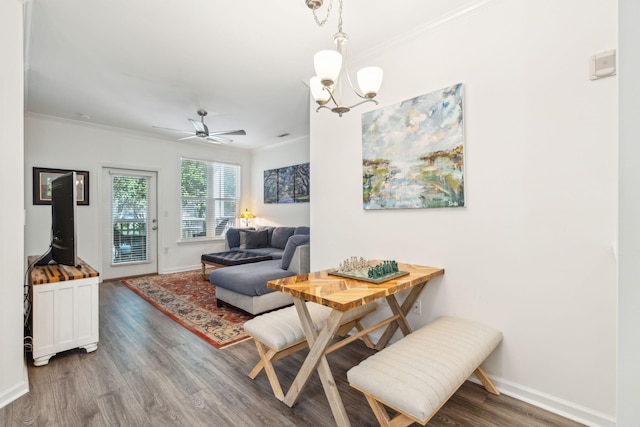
[[413, 153], [42, 178], [289, 184]]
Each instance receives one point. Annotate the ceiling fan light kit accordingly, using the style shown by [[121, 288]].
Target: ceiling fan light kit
[[202, 131], [328, 65]]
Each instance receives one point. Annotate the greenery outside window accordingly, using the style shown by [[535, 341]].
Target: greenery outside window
[[210, 198]]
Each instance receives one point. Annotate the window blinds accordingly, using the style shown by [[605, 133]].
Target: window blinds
[[129, 218], [210, 192]]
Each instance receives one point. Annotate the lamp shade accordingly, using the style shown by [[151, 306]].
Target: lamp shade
[[327, 64], [369, 81], [247, 214], [317, 91]]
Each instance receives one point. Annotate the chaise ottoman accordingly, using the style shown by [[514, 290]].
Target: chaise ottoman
[[229, 258]]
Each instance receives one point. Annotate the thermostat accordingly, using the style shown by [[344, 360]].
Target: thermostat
[[602, 65]]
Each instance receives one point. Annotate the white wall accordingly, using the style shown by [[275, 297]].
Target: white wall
[[629, 205], [13, 379], [64, 144], [533, 252], [288, 153]]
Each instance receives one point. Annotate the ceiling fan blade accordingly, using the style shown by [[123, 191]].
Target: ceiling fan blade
[[175, 130], [218, 139], [188, 137], [200, 127], [229, 132]]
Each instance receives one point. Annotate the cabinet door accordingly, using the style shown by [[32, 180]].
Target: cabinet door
[[65, 315]]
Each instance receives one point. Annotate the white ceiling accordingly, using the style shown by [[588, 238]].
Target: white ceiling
[[135, 64]]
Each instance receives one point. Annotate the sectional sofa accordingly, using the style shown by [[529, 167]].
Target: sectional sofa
[[245, 286]]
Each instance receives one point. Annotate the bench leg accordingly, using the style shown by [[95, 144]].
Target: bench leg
[[272, 355], [265, 363], [486, 381], [382, 416]]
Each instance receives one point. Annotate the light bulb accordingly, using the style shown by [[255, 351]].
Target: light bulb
[[327, 64], [369, 81]]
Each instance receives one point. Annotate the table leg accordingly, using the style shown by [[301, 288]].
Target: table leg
[[402, 312], [317, 360]]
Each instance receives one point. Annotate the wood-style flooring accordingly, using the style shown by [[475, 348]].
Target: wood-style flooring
[[149, 371]]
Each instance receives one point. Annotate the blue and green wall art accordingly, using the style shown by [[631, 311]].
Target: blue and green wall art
[[413, 153]]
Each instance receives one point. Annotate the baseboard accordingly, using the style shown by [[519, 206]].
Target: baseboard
[[17, 391], [181, 269], [550, 403]]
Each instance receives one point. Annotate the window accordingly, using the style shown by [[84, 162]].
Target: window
[[210, 198]]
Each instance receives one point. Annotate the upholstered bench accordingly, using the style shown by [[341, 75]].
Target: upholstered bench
[[279, 333], [229, 258], [418, 374]]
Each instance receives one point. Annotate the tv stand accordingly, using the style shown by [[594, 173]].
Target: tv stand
[[64, 312]]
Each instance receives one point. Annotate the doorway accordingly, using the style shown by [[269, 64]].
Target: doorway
[[129, 221]]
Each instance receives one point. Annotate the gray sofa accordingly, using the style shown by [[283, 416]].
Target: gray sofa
[[245, 286]]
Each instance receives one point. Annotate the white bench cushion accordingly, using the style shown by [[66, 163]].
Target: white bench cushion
[[418, 373], [281, 328]]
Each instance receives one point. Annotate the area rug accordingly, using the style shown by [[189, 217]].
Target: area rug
[[191, 301]]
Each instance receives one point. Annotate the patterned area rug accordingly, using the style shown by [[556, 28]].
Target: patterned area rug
[[191, 301]]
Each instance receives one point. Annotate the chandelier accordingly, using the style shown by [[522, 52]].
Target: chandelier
[[329, 69]]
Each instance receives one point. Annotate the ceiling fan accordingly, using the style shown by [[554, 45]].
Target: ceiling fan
[[202, 131]]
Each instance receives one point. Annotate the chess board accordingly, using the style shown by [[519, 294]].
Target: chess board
[[362, 275]]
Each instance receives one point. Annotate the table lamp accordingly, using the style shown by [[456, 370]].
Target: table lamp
[[246, 216]]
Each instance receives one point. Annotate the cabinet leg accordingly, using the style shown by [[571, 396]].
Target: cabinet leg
[[42, 360], [90, 347]]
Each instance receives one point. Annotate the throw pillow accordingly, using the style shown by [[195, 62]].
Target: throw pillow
[[280, 236], [257, 239], [243, 240], [293, 242]]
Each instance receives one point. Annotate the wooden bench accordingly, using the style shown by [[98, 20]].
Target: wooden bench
[[418, 374], [279, 333]]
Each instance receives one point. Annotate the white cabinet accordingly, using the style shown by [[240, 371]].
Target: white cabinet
[[64, 310]]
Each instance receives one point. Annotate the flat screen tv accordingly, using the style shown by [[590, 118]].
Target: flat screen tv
[[64, 199]]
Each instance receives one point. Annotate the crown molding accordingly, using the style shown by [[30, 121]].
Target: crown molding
[[468, 9]]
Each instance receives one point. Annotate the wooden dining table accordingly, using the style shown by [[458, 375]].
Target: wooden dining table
[[343, 294]]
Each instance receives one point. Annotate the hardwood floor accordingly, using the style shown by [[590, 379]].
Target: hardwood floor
[[149, 371]]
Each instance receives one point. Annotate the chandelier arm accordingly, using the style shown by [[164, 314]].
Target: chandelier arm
[[363, 102], [353, 88], [331, 96], [321, 107], [345, 61]]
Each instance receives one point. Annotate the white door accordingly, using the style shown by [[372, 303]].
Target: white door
[[130, 225]]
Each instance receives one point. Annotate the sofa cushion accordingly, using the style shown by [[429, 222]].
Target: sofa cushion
[[249, 279], [272, 252], [243, 240], [257, 239], [303, 230], [293, 242], [233, 236], [269, 229], [280, 236]]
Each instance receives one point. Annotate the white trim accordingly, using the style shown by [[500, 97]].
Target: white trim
[[465, 10], [17, 391], [551, 403]]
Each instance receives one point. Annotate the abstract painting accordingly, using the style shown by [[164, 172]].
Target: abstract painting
[[413, 153], [289, 184]]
